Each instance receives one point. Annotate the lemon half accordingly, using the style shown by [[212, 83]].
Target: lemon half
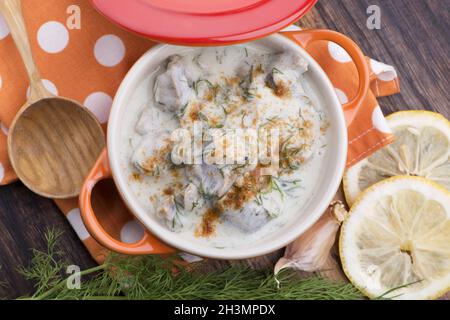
[[421, 148], [396, 241]]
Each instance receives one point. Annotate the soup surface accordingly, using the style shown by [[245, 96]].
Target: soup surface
[[227, 143]]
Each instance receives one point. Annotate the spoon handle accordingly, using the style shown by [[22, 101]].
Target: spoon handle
[[12, 13]]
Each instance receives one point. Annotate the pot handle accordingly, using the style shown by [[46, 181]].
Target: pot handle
[[305, 37], [147, 245]]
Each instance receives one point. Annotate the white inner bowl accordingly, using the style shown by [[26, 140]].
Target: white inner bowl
[[324, 189]]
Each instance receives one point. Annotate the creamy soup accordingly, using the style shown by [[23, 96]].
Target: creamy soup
[[239, 98]]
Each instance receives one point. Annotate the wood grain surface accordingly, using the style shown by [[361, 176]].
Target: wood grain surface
[[414, 37]]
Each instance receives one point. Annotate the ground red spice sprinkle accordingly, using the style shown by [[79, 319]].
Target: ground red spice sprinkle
[[237, 197], [209, 222], [135, 176], [169, 192], [281, 90]]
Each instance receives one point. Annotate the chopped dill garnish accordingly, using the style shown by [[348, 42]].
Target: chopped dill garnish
[[241, 166], [219, 57], [250, 74], [274, 186], [259, 200], [277, 187], [203, 193], [203, 117], [225, 111], [226, 95], [198, 82], [195, 204], [195, 60], [282, 186], [273, 119], [248, 94], [295, 185], [276, 70], [246, 83], [286, 143], [183, 110], [293, 166], [178, 205], [300, 114], [287, 183], [178, 211]]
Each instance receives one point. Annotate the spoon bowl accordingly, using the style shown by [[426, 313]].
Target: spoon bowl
[[53, 145]]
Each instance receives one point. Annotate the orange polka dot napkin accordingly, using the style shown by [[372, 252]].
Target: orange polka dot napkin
[[87, 62]]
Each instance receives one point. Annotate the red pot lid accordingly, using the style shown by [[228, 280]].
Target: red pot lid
[[203, 22]]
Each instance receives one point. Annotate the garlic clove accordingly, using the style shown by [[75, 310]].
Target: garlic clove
[[311, 251]]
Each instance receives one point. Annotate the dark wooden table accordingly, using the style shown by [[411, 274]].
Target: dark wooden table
[[414, 37]]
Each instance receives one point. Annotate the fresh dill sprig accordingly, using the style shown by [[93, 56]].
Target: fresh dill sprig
[[153, 277], [384, 295], [46, 266]]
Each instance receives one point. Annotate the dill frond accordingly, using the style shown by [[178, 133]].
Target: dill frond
[[164, 278]]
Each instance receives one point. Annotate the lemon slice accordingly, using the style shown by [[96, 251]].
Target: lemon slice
[[421, 148], [396, 240]]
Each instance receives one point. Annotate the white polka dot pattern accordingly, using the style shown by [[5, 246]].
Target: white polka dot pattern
[[131, 232], [75, 220], [379, 122], [383, 71], [189, 257], [100, 105], [292, 27], [4, 30], [338, 53], [4, 129], [341, 96], [53, 37], [109, 50], [2, 172]]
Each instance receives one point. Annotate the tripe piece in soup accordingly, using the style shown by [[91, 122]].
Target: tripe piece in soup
[[208, 104]]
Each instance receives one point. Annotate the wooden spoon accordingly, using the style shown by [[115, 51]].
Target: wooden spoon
[[53, 142]]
